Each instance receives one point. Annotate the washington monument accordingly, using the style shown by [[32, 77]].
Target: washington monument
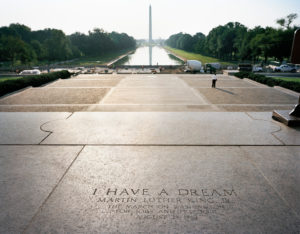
[[150, 25]]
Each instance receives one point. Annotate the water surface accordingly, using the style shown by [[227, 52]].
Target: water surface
[[150, 55]]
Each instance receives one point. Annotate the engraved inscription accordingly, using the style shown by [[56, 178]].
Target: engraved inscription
[[159, 204]]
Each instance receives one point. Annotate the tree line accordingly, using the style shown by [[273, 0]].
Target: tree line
[[234, 41], [20, 45]]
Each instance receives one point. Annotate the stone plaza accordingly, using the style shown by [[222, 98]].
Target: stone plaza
[[148, 154]]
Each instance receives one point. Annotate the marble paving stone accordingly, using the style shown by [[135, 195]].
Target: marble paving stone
[[205, 77], [222, 95], [164, 190], [150, 108], [24, 128], [141, 108], [149, 76], [98, 76], [220, 83], [27, 175], [106, 108], [281, 166], [254, 108], [44, 108], [56, 96], [144, 95], [151, 82], [188, 128], [288, 135], [85, 83]]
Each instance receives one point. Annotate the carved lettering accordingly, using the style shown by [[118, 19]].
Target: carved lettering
[[135, 192], [229, 192], [183, 192], [145, 192], [163, 191], [124, 191], [111, 191]]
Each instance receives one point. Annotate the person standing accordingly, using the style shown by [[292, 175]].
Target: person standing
[[214, 80]]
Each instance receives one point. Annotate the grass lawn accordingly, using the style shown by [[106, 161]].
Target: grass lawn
[[194, 56], [295, 79], [9, 78]]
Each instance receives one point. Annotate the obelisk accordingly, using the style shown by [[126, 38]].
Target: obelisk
[[150, 25]]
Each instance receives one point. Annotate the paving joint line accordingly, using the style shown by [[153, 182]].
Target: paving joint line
[[174, 87], [52, 191], [79, 87], [246, 155], [230, 87], [45, 138], [287, 91], [198, 93], [146, 104], [106, 95], [90, 107], [70, 115], [256, 83], [59, 87], [163, 145], [277, 137]]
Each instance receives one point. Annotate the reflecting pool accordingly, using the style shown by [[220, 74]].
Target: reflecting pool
[[150, 55]]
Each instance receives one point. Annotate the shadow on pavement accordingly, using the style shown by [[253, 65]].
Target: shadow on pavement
[[226, 91]]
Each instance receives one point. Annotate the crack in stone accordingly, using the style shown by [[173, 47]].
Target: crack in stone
[[50, 132], [270, 121]]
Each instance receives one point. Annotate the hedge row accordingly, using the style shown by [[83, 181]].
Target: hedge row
[[292, 85], [9, 86]]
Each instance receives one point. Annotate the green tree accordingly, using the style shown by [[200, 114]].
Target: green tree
[[57, 46], [234, 41], [38, 49], [22, 31], [287, 21], [13, 49], [200, 40]]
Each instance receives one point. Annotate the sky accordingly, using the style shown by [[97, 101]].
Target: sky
[[131, 16]]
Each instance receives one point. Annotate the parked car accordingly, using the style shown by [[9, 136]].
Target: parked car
[[257, 68], [245, 67], [217, 66], [30, 72], [285, 68]]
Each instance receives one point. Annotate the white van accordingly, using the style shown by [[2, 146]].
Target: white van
[[30, 72]]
